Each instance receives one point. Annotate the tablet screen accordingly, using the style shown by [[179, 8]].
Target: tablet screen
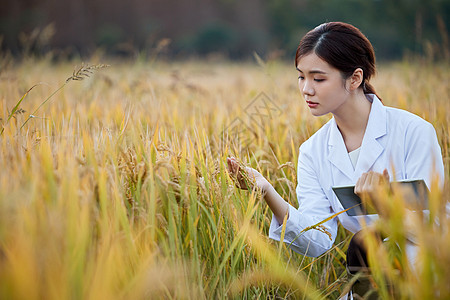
[[415, 191]]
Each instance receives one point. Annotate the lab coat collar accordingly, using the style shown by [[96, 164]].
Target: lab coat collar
[[371, 149]]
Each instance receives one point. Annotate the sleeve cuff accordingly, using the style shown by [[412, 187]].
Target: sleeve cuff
[[276, 228], [312, 243]]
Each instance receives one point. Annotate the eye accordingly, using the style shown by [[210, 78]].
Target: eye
[[319, 80], [301, 77]]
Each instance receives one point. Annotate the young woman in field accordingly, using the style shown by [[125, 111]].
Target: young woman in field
[[364, 143]]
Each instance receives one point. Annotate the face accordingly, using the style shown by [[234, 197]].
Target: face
[[321, 85]]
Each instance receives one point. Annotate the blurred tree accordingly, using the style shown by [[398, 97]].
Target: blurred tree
[[216, 37], [238, 28]]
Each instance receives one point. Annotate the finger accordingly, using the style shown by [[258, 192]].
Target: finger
[[357, 186], [229, 164], [234, 167], [360, 183], [365, 182], [386, 175], [371, 181], [369, 178], [377, 179]]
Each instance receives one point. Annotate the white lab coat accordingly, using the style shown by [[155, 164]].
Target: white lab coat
[[395, 139]]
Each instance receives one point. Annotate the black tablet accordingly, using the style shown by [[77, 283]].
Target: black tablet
[[417, 196]]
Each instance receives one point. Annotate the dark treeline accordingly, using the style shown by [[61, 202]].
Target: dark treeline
[[233, 28]]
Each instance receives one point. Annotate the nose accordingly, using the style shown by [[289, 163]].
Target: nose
[[306, 87]]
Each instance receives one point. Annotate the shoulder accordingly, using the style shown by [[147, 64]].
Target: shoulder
[[405, 121], [396, 120]]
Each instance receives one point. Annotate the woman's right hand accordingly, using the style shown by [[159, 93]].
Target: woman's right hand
[[246, 178]]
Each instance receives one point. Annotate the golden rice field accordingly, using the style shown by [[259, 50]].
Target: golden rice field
[[116, 187]]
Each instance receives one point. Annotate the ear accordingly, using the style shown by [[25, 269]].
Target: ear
[[356, 79]]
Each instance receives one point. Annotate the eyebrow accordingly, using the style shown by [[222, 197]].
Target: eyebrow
[[312, 71]]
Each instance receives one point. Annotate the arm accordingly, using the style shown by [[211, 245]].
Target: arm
[[278, 206], [314, 208], [423, 158]]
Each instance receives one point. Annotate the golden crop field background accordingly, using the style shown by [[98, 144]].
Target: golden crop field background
[[116, 187]]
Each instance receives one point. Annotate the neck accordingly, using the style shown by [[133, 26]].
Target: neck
[[352, 120]]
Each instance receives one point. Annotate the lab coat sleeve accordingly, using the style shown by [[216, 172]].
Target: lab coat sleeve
[[314, 207], [423, 158]]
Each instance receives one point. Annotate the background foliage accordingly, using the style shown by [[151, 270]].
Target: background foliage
[[231, 28]]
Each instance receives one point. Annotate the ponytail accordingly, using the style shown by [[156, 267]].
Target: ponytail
[[369, 89]]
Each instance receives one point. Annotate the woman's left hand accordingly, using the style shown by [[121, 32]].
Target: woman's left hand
[[368, 186]]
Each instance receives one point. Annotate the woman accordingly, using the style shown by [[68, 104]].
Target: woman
[[363, 143]]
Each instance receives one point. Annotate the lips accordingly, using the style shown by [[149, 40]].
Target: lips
[[312, 104]]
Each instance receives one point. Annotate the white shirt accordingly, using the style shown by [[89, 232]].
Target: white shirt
[[354, 157], [403, 143]]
